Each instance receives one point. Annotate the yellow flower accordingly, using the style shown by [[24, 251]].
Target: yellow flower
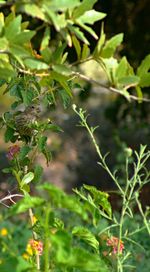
[[29, 249], [3, 232], [34, 219], [25, 256]]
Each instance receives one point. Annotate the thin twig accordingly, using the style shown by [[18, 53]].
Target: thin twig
[[9, 197], [88, 79]]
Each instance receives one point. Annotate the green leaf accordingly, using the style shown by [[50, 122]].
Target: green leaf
[[63, 4], [86, 235], [35, 64], [34, 11], [78, 33], [46, 38], [59, 21], [62, 69], [77, 46], [23, 152], [38, 172], [111, 45], [9, 133], [58, 54], [143, 72], [62, 81], [91, 16], [63, 200], [66, 100], [122, 68], [85, 52], [87, 28], [129, 80], [42, 143], [139, 93], [100, 198], [27, 178], [1, 21], [4, 44], [25, 204], [7, 74], [84, 6], [54, 128], [144, 66], [100, 43], [18, 264], [24, 37], [145, 80], [13, 28]]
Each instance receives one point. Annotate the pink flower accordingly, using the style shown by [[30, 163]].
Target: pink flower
[[35, 247], [114, 242], [12, 152]]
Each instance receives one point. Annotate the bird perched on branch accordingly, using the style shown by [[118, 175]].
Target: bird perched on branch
[[25, 120]]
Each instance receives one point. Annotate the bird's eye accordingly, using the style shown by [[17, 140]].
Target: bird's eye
[[32, 107]]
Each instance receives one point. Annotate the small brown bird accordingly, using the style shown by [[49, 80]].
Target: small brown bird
[[24, 121]]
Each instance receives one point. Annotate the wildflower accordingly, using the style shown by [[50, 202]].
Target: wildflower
[[34, 219], [3, 232], [25, 256], [114, 242], [12, 152], [34, 247]]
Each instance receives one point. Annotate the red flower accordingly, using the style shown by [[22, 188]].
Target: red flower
[[114, 242], [12, 152]]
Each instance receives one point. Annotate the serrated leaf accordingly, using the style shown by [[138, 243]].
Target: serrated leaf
[[84, 6], [111, 45], [27, 178], [91, 16], [86, 235]]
